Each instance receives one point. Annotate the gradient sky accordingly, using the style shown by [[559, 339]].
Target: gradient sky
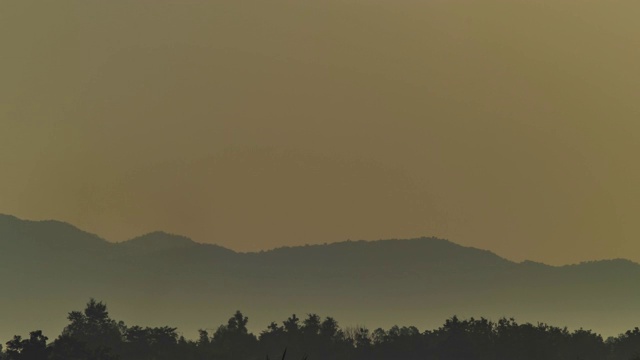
[[510, 125]]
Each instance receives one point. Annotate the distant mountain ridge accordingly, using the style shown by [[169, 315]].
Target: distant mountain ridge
[[48, 268], [156, 241], [52, 230]]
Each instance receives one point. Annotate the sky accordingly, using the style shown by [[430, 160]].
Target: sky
[[511, 126]]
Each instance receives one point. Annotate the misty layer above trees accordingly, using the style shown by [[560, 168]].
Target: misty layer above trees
[[93, 335]]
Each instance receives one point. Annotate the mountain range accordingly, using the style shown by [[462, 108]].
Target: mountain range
[[48, 268]]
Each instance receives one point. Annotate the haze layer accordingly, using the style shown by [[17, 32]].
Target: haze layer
[[506, 125]]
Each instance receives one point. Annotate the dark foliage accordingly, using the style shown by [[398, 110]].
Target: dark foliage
[[92, 335]]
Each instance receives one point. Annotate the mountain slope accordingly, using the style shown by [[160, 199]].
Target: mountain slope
[[49, 268]]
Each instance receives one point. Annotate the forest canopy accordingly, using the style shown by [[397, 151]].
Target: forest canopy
[[92, 334]]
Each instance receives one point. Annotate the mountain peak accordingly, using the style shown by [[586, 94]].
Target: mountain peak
[[53, 233], [158, 240], [7, 217]]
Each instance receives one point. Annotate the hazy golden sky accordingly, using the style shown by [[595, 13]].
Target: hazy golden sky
[[505, 125]]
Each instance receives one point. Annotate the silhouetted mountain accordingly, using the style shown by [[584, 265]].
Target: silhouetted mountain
[[157, 241], [48, 267], [51, 234]]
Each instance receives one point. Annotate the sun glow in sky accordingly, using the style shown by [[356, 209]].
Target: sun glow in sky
[[505, 125]]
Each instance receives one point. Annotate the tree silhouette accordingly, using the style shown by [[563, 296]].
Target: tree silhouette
[[94, 327], [92, 335], [33, 348], [627, 345], [233, 341]]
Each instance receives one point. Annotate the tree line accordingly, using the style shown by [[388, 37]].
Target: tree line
[[93, 335]]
